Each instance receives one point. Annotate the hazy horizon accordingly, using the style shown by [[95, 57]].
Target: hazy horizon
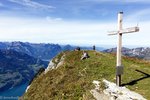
[[83, 45]]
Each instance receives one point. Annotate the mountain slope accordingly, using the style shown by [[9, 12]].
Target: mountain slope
[[41, 50], [140, 52], [17, 68], [71, 78]]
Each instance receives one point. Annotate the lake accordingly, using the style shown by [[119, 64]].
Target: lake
[[14, 93]]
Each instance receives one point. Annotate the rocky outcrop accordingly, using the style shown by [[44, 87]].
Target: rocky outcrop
[[97, 93], [113, 92], [120, 93], [52, 65]]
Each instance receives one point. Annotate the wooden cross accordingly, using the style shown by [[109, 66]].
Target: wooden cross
[[119, 67]]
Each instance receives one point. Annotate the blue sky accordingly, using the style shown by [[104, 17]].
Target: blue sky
[[77, 22]]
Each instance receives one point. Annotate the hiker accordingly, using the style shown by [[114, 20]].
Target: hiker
[[94, 47], [85, 55], [77, 49]]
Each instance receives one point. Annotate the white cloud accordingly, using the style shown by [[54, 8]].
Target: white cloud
[[32, 4], [39, 30], [67, 32]]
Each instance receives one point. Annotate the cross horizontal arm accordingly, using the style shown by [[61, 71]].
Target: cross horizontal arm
[[130, 30], [113, 32], [127, 30]]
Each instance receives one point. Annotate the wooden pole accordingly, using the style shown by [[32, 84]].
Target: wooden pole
[[119, 47]]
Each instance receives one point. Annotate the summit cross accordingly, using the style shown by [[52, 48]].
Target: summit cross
[[120, 32]]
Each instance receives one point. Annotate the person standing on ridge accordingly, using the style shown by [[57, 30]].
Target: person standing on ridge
[[94, 47]]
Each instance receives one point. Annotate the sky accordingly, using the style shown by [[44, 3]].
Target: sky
[[75, 22]]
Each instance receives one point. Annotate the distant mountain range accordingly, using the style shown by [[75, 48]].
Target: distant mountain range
[[40, 50], [17, 68], [140, 52]]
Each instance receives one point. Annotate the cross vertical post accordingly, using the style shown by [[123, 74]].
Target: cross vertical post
[[120, 32], [119, 47]]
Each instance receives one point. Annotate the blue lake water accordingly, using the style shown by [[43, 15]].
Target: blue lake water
[[14, 93]]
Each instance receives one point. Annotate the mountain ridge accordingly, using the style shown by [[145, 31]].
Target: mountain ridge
[[140, 52], [73, 78], [36, 50]]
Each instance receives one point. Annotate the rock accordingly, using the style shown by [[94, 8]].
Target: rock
[[99, 96], [120, 93], [97, 84], [27, 88], [53, 65], [96, 92]]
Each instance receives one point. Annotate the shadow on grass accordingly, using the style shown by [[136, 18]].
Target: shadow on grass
[[139, 79]]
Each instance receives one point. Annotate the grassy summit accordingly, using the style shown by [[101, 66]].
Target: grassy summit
[[73, 79]]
